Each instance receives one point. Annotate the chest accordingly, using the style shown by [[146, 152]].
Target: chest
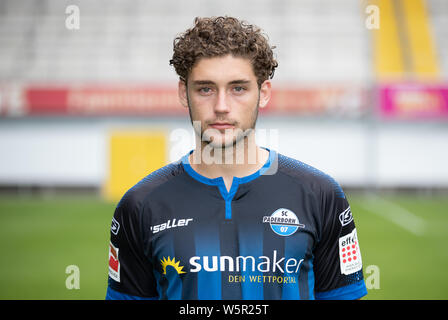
[[266, 234]]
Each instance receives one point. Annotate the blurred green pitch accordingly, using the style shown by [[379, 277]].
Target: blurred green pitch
[[41, 236]]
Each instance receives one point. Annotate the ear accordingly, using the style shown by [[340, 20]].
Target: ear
[[265, 93], [182, 92]]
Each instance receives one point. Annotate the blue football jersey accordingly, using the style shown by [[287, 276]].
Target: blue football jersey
[[283, 232]]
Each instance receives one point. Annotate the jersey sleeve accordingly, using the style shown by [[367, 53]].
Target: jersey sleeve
[[130, 272], [337, 256]]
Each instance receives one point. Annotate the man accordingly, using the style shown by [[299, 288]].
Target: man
[[232, 220]]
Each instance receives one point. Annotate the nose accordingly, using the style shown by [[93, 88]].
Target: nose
[[221, 105]]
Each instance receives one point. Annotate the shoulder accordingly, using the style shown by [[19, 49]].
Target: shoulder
[[135, 196], [309, 176]]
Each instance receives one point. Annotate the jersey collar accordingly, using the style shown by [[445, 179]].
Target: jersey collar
[[236, 180]]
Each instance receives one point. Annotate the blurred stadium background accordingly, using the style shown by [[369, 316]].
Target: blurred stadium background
[[87, 110]]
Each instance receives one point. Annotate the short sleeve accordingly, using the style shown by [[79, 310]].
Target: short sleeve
[[337, 256], [130, 272]]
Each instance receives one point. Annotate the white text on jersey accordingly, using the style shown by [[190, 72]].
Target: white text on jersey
[[170, 224]]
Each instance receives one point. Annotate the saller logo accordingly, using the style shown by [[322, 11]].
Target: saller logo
[[346, 217], [115, 226], [170, 224]]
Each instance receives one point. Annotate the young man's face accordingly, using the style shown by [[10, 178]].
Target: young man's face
[[223, 96]]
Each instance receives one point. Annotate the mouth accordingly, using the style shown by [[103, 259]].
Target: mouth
[[222, 125]]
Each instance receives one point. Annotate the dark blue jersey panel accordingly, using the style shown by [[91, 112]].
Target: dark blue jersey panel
[[111, 294], [284, 232]]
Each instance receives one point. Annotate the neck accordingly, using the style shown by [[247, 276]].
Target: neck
[[239, 160]]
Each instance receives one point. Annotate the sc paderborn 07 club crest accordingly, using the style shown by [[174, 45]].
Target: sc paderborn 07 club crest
[[283, 222]]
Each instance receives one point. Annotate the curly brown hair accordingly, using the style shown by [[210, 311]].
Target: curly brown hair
[[219, 36]]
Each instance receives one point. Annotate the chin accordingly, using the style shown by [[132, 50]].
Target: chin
[[222, 144], [229, 142]]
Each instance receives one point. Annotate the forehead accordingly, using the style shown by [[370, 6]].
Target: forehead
[[222, 69]]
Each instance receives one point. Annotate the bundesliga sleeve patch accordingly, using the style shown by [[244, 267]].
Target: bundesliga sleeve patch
[[114, 264], [349, 253]]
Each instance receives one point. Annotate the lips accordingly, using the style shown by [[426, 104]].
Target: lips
[[221, 125]]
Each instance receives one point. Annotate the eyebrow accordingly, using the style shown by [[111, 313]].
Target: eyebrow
[[202, 82]]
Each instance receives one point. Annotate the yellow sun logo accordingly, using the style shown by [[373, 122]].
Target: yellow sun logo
[[171, 262]]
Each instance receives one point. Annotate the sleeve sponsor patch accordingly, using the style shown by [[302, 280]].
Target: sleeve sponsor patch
[[114, 227], [346, 217], [349, 253], [114, 263]]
